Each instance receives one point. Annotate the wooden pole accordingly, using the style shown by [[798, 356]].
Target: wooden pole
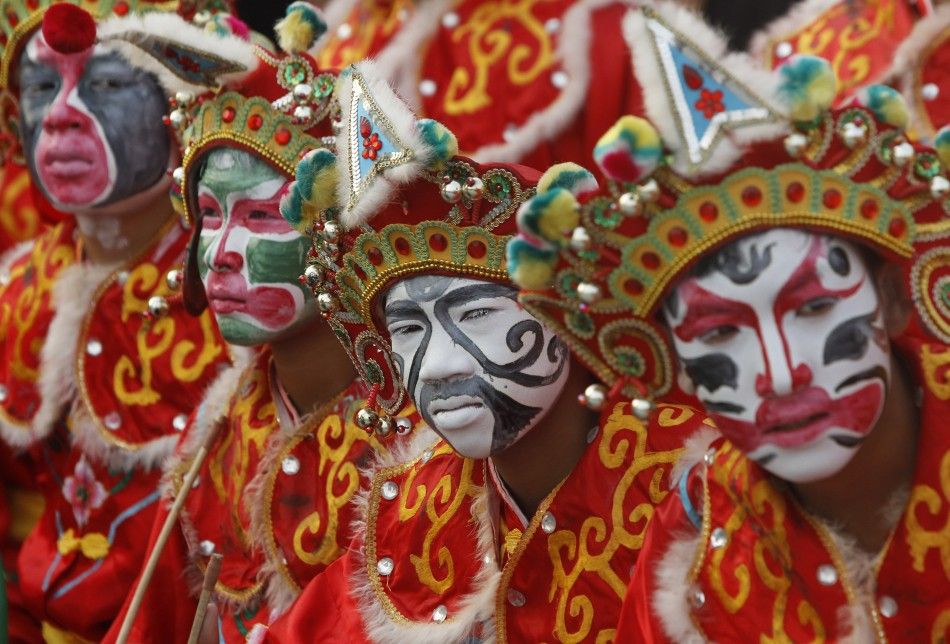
[[211, 578], [170, 521]]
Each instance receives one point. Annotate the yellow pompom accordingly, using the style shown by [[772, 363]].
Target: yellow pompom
[[300, 28]]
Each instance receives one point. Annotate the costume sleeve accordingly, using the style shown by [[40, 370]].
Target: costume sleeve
[[169, 606]]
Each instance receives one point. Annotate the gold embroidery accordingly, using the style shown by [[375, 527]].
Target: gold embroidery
[[370, 23], [920, 540], [491, 33], [939, 631], [936, 366], [19, 221]]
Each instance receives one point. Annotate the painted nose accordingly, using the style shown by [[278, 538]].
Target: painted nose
[[225, 258], [444, 360], [62, 116], [781, 377]]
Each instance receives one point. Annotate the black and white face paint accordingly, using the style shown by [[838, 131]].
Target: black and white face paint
[[782, 335], [480, 369]]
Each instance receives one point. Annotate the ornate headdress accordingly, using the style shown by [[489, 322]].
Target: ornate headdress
[[190, 45], [594, 262], [405, 204]]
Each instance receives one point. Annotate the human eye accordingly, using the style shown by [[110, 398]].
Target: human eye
[[816, 306], [259, 214], [719, 334], [470, 315], [210, 217], [405, 329]]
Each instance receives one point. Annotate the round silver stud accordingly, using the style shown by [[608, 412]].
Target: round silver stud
[[887, 605], [385, 566], [4, 278], [939, 187], [344, 31], [450, 20], [710, 456], [853, 134], [902, 153], [642, 408], [473, 189], [290, 465], [313, 275], [206, 548], [303, 113], [3, 393], [174, 279], [426, 455], [157, 306], [366, 419], [112, 421], [548, 523], [560, 79], [331, 231], [516, 598], [403, 425], [94, 347], [427, 87], [696, 597], [440, 614], [930, 91], [588, 293], [719, 538], [783, 49], [452, 191], [179, 422], [629, 204], [121, 278], [389, 490], [827, 575], [595, 396], [649, 191], [580, 239], [551, 25], [178, 176], [177, 118], [384, 426], [327, 303]]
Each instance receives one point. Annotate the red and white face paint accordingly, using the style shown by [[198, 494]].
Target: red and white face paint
[[782, 335]]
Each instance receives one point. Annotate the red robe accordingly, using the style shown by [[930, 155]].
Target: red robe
[[273, 497], [761, 568], [443, 557], [98, 393]]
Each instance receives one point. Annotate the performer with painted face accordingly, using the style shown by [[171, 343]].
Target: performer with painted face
[[523, 503], [102, 365], [284, 451], [794, 257]]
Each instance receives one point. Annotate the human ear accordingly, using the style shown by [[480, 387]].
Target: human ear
[[895, 302]]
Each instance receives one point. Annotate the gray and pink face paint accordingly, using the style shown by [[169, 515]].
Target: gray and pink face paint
[[481, 370], [249, 257], [782, 336], [91, 125]]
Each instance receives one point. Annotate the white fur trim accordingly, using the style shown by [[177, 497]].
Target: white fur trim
[[669, 600], [402, 124], [909, 58], [174, 28], [751, 79], [694, 448], [335, 14], [476, 607], [791, 23]]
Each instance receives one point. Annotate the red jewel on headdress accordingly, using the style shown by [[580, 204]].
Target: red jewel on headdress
[[68, 29]]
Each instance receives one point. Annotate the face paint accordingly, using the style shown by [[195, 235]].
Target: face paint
[[249, 257], [782, 335], [91, 125], [481, 370]]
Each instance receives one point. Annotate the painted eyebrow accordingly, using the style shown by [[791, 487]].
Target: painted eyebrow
[[403, 309]]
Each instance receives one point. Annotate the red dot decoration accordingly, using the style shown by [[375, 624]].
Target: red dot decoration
[[795, 192], [255, 121], [897, 228], [68, 29], [12, 19], [375, 256], [633, 287], [708, 211], [650, 260], [120, 8], [677, 236], [402, 246], [751, 196], [832, 198], [282, 136], [477, 249], [360, 273], [869, 209], [438, 242], [228, 114]]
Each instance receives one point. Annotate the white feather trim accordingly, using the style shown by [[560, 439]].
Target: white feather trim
[[364, 201], [660, 106], [791, 23], [172, 27], [694, 448], [909, 58], [669, 600]]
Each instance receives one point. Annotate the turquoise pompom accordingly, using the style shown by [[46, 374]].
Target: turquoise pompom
[[313, 190], [300, 28], [550, 216], [439, 140], [942, 145], [530, 267], [807, 87], [630, 150], [570, 176], [886, 103]]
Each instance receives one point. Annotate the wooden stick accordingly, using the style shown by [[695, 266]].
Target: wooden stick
[[170, 521], [211, 578]]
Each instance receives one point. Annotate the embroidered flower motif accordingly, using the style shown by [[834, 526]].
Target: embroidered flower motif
[[710, 102], [83, 491], [371, 143]]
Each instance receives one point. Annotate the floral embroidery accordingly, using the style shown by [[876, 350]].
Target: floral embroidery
[[371, 143], [710, 102], [83, 491]]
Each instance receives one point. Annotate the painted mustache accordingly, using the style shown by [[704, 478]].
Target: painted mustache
[[510, 416]]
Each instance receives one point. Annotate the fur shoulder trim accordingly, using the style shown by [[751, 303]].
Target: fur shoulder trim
[[670, 600], [694, 448], [789, 24], [141, 40], [910, 57]]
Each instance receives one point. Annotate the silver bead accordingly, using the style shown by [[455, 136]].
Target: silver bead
[[313, 275], [94, 347], [795, 144], [440, 614], [595, 396], [112, 421], [516, 598], [179, 422], [642, 408], [385, 566], [827, 575], [853, 134], [939, 187], [174, 279], [384, 426], [580, 239], [177, 118], [389, 490], [344, 31], [930, 91], [302, 92], [450, 20], [548, 523], [427, 87], [290, 465], [710, 456], [783, 50], [887, 605], [902, 153], [719, 538], [649, 191], [366, 419], [551, 25], [327, 303], [157, 306], [473, 189], [331, 231], [452, 191], [206, 548], [696, 597], [588, 293], [303, 113], [183, 97], [178, 176], [560, 79], [629, 204]]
